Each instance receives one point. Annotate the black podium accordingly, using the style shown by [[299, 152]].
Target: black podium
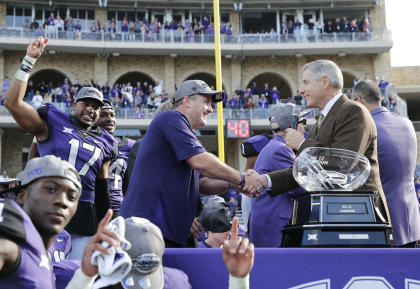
[[337, 219]]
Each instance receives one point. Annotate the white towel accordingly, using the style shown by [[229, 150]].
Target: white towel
[[113, 268]]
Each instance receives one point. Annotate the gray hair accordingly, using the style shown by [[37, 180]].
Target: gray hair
[[179, 101], [324, 67], [164, 106], [368, 90]]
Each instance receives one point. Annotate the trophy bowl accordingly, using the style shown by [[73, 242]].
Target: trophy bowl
[[330, 169]]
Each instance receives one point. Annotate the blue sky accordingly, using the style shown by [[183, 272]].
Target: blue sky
[[402, 17]]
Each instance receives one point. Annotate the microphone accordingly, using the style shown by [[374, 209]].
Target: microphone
[[295, 114], [305, 113]]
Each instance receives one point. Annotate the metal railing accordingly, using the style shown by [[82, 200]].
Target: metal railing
[[181, 36], [144, 113]]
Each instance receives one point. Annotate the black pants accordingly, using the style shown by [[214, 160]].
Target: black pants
[[414, 244], [172, 244]]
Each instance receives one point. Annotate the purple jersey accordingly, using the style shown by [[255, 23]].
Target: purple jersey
[[117, 171], [175, 278], [85, 150], [61, 247], [35, 268], [202, 244], [64, 271]]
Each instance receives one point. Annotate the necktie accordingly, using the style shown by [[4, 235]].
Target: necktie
[[320, 120]]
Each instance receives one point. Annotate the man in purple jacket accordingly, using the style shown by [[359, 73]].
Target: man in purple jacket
[[269, 215], [397, 154]]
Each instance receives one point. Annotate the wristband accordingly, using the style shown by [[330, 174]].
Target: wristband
[[21, 75], [25, 68], [242, 183], [29, 61]]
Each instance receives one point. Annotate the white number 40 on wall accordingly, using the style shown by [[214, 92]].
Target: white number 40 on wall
[[360, 282]]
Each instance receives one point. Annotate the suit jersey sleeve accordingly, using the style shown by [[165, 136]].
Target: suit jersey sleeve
[[111, 146], [43, 111], [11, 221], [182, 139]]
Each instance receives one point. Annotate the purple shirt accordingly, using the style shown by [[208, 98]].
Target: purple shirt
[[117, 170], [266, 92], [275, 95], [269, 215], [114, 92], [263, 103], [124, 27], [163, 187], [85, 150], [35, 268], [255, 90], [51, 20], [233, 102]]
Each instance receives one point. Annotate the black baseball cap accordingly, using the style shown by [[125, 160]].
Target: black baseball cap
[[216, 217]]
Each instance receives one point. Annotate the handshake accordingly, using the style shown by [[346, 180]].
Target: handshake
[[254, 184]]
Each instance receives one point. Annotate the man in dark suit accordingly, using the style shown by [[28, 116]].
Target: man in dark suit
[[397, 155], [343, 124]]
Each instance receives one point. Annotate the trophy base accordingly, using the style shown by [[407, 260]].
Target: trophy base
[[338, 235]]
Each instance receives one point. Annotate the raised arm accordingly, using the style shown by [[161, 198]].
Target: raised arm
[[238, 255], [24, 114]]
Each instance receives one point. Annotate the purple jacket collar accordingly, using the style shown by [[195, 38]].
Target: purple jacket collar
[[378, 110], [279, 138]]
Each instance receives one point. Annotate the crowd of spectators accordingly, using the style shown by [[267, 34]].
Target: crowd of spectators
[[144, 96], [191, 31], [339, 25], [55, 25]]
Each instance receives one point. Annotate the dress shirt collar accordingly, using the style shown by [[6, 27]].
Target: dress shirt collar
[[330, 104]]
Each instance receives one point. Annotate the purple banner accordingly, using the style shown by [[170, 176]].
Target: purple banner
[[305, 268]]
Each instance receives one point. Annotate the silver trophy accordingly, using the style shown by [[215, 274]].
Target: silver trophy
[[318, 169], [334, 213]]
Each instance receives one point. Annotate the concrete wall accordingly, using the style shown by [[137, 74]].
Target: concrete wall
[[101, 14], [11, 150], [405, 76], [3, 7], [234, 20], [73, 66]]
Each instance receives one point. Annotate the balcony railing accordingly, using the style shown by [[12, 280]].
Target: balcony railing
[[180, 36], [128, 113]]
